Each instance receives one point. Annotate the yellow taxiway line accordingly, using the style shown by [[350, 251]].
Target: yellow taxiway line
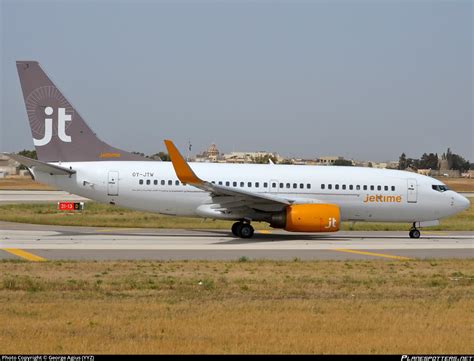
[[26, 255], [371, 254]]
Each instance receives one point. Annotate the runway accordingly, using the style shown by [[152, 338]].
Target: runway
[[39, 242], [20, 196]]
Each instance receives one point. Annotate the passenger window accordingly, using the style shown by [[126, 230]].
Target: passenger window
[[301, 185], [140, 181], [213, 182], [148, 182], [281, 185], [227, 183], [372, 188], [329, 186], [351, 187], [336, 186], [265, 185], [220, 183], [249, 184], [358, 187], [308, 186], [234, 184], [365, 188], [379, 188], [257, 184], [155, 182], [386, 188], [343, 186], [274, 185], [288, 185], [393, 188], [176, 183], [242, 184], [295, 185], [170, 182], [162, 182], [323, 186]]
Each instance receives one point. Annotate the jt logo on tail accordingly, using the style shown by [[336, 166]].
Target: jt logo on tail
[[48, 127], [59, 132]]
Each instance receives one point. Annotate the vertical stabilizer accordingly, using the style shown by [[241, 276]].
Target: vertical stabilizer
[[59, 132]]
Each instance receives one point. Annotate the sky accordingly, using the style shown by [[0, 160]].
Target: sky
[[366, 80]]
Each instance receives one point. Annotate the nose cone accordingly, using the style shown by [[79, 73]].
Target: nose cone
[[461, 202]]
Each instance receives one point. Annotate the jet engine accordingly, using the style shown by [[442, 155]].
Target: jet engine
[[308, 218]]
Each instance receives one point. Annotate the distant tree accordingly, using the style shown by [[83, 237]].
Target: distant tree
[[370, 165], [459, 163], [286, 161], [343, 162], [402, 162], [455, 161], [139, 153], [428, 161], [161, 155], [412, 163], [28, 153], [264, 159]]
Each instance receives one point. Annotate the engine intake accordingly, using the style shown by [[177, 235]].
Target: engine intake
[[308, 218]]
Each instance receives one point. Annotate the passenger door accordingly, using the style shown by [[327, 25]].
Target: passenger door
[[113, 183], [412, 190]]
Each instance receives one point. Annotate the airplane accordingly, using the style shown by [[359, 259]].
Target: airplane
[[295, 198]]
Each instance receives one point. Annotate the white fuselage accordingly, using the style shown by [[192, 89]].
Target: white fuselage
[[362, 194]]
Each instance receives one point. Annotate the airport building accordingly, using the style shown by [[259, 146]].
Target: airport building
[[212, 155], [8, 166]]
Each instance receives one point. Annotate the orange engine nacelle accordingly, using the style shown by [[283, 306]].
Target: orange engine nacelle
[[308, 218]]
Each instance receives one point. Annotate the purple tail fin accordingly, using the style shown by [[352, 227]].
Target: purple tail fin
[[59, 132]]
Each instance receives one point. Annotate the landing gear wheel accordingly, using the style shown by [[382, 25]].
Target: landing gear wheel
[[236, 228], [414, 233], [246, 231]]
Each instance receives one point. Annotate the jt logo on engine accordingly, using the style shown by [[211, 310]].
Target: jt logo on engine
[[331, 223], [48, 126]]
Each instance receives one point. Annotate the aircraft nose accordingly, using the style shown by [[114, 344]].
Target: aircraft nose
[[462, 202]]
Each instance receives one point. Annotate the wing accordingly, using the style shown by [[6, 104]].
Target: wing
[[225, 199], [41, 166]]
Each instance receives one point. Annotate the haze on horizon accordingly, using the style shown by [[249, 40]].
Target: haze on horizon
[[363, 80]]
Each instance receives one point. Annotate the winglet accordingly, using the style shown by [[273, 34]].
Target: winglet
[[181, 167]]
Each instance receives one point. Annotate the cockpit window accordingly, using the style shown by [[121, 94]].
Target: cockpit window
[[440, 187]]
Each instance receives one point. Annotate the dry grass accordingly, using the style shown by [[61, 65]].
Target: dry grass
[[459, 184], [22, 183], [237, 307], [103, 215]]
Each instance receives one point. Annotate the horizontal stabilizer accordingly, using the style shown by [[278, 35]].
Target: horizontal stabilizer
[[40, 166]]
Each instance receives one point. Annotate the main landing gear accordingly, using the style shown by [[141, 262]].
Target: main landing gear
[[242, 230], [414, 232]]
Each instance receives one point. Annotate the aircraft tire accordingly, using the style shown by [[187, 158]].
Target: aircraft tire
[[236, 228], [246, 231]]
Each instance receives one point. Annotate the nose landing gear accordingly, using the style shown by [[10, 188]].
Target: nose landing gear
[[414, 232], [242, 230]]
